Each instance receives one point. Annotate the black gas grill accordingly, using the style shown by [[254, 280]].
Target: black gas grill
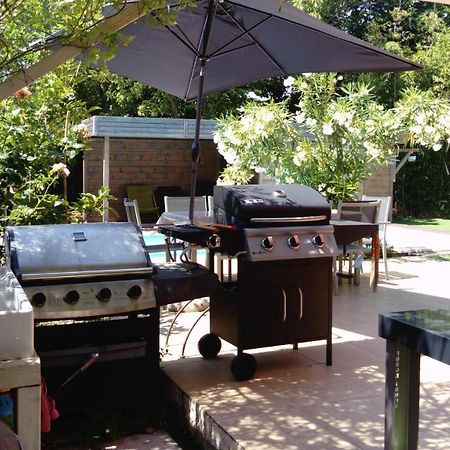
[[281, 237]]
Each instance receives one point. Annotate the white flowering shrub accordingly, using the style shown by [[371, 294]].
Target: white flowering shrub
[[259, 139], [333, 142]]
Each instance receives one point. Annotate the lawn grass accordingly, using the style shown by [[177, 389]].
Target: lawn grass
[[436, 224]]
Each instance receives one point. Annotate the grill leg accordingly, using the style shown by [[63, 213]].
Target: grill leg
[[329, 352]]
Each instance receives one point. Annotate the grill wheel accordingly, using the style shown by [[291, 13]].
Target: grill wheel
[[243, 366], [209, 345]]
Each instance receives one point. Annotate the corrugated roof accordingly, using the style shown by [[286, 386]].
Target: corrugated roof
[[144, 127]]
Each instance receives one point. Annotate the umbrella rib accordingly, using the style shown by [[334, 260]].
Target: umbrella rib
[[186, 41], [247, 32]]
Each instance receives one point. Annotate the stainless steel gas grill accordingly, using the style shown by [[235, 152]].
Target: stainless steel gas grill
[[81, 270], [91, 289], [283, 293]]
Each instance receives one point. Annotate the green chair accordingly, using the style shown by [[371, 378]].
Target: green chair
[[145, 197]]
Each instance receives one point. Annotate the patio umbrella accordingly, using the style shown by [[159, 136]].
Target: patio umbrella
[[221, 44]]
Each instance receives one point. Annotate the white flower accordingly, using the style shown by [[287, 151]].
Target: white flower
[[371, 148], [311, 122], [340, 117], [216, 138], [289, 81], [429, 129], [232, 138], [416, 129], [327, 129], [437, 147], [60, 167], [267, 115], [300, 117], [246, 123], [421, 118], [221, 147], [370, 125], [307, 74], [299, 157], [230, 156]]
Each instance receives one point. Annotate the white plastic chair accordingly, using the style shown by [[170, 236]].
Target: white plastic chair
[[383, 221], [172, 204]]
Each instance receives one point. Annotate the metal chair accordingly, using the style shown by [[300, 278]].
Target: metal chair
[[383, 221], [360, 211], [133, 216], [132, 211]]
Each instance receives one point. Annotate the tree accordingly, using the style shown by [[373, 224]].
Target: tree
[[39, 136]]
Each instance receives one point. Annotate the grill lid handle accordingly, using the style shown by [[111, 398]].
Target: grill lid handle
[[288, 219]]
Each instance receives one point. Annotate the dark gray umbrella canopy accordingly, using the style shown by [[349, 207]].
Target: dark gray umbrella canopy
[[249, 40], [220, 44]]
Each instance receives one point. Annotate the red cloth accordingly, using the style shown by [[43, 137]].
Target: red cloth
[[48, 409]]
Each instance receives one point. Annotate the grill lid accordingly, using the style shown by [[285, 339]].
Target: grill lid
[[270, 205], [76, 250]]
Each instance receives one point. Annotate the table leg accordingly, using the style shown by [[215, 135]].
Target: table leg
[[375, 260], [401, 426]]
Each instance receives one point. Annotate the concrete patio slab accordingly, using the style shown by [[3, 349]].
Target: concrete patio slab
[[295, 401]]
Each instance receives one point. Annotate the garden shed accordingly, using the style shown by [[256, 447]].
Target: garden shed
[[137, 150], [157, 152]]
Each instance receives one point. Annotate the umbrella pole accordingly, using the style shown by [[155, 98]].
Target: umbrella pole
[[196, 144]]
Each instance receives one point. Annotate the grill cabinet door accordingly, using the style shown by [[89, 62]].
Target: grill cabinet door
[[285, 302]]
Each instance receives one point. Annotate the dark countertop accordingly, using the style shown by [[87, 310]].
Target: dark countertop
[[427, 331]]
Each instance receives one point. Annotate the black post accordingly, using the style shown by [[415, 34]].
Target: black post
[[196, 144]]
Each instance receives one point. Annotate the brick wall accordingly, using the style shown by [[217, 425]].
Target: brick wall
[[157, 162]]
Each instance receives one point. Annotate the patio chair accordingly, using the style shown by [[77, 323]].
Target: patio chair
[[143, 193], [170, 191], [132, 211], [181, 204], [360, 211], [383, 222]]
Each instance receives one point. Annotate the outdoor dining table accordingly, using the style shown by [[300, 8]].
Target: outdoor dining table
[[349, 231], [408, 335]]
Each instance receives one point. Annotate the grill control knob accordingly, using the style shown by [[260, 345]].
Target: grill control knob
[[267, 243], [38, 299], [104, 294], [294, 241], [317, 240], [134, 292], [71, 297]]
